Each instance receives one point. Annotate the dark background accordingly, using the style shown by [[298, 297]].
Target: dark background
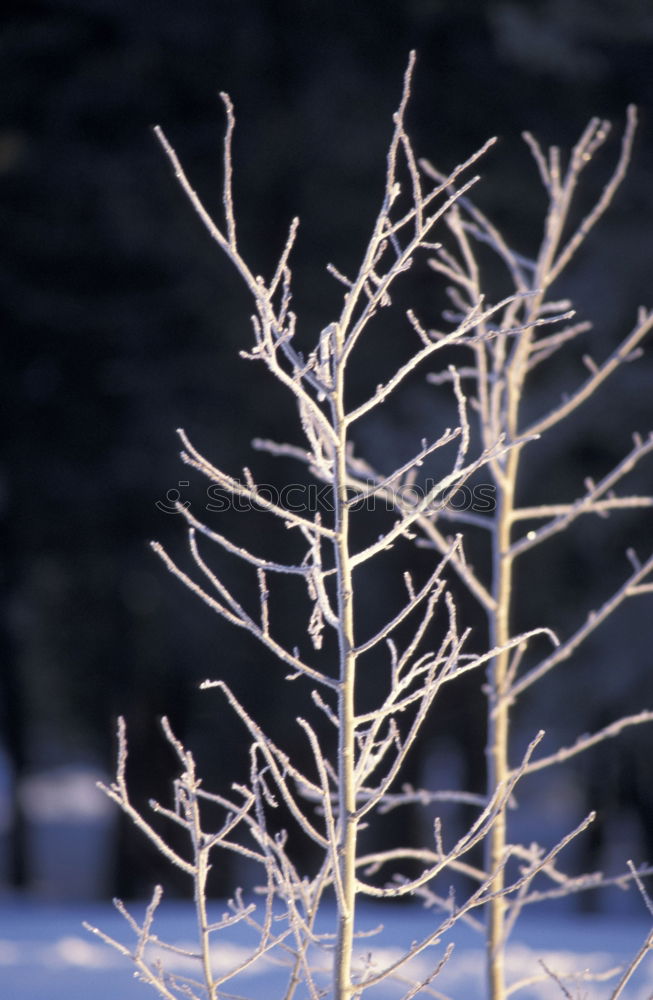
[[122, 322]]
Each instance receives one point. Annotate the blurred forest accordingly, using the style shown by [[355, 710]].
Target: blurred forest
[[123, 322]]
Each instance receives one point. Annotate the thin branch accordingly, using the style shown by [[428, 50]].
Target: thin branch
[[119, 793], [607, 194], [291, 659], [585, 742], [594, 619], [637, 960], [588, 504], [193, 458], [587, 389], [413, 603], [279, 764], [563, 509]]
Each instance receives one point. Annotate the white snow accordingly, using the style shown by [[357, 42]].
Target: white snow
[[45, 954], [65, 794]]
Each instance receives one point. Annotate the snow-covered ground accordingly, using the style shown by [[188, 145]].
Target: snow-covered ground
[[46, 954]]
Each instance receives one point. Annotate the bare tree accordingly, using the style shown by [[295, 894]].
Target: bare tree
[[498, 382], [421, 646]]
